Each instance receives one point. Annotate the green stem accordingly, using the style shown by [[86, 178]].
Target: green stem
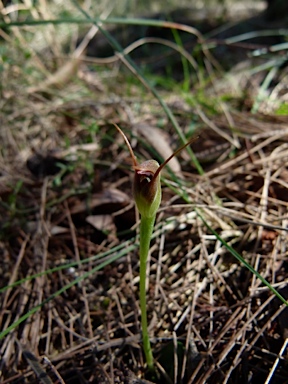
[[146, 230]]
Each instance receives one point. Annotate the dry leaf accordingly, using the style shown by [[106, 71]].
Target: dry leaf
[[157, 139], [101, 222], [57, 230], [107, 196]]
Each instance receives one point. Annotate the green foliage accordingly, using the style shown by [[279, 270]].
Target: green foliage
[[282, 110]]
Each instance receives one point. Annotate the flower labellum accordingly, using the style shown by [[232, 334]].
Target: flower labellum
[[147, 188]]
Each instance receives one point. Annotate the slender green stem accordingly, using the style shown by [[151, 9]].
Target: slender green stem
[[146, 230]]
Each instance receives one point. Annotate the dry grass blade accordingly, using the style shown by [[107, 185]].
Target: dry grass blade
[[210, 319], [270, 376]]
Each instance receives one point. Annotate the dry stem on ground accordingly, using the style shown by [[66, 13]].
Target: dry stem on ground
[[65, 196]]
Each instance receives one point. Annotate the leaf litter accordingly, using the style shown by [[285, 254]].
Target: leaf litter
[[210, 319]]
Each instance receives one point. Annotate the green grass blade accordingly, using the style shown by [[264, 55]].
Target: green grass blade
[[63, 289], [242, 260], [70, 265], [125, 58], [137, 72]]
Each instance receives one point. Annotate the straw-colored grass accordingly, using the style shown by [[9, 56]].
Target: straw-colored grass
[[69, 231]]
